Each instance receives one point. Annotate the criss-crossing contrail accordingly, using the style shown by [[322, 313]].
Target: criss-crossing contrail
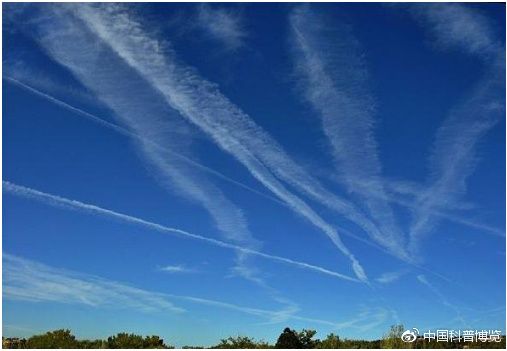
[[114, 127], [58, 201]]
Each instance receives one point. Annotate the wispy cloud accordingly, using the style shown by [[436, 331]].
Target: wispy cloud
[[61, 202], [366, 319], [28, 280], [222, 23], [201, 103], [390, 277], [457, 25], [179, 268], [334, 81], [453, 158], [31, 281]]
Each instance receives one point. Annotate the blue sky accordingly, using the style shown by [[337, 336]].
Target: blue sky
[[199, 171]]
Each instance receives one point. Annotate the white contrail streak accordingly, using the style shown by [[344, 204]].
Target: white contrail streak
[[58, 201]]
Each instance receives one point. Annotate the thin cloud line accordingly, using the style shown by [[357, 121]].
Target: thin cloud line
[[58, 201], [101, 121]]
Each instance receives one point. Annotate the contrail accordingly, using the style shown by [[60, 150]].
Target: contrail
[[58, 201], [333, 80]]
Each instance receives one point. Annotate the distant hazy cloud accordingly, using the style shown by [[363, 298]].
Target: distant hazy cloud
[[179, 268], [27, 280], [390, 277]]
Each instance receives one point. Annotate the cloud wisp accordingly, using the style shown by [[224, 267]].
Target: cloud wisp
[[390, 277], [176, 268], [334, 81], [31, 281], [222, 24], [61, 202]]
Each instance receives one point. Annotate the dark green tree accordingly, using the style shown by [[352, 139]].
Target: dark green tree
[[57, 339], [154, 342], [289, 339], [306, 338], [241, 342], [125, 341]]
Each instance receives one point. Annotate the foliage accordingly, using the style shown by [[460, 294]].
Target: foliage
[[154, 342], [332, 341], [58, 339], [289, 339], [133, 341], [241, 342], [305, 336], [125, 341]]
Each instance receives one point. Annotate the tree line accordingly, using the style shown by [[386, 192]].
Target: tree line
[[288, 339]]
